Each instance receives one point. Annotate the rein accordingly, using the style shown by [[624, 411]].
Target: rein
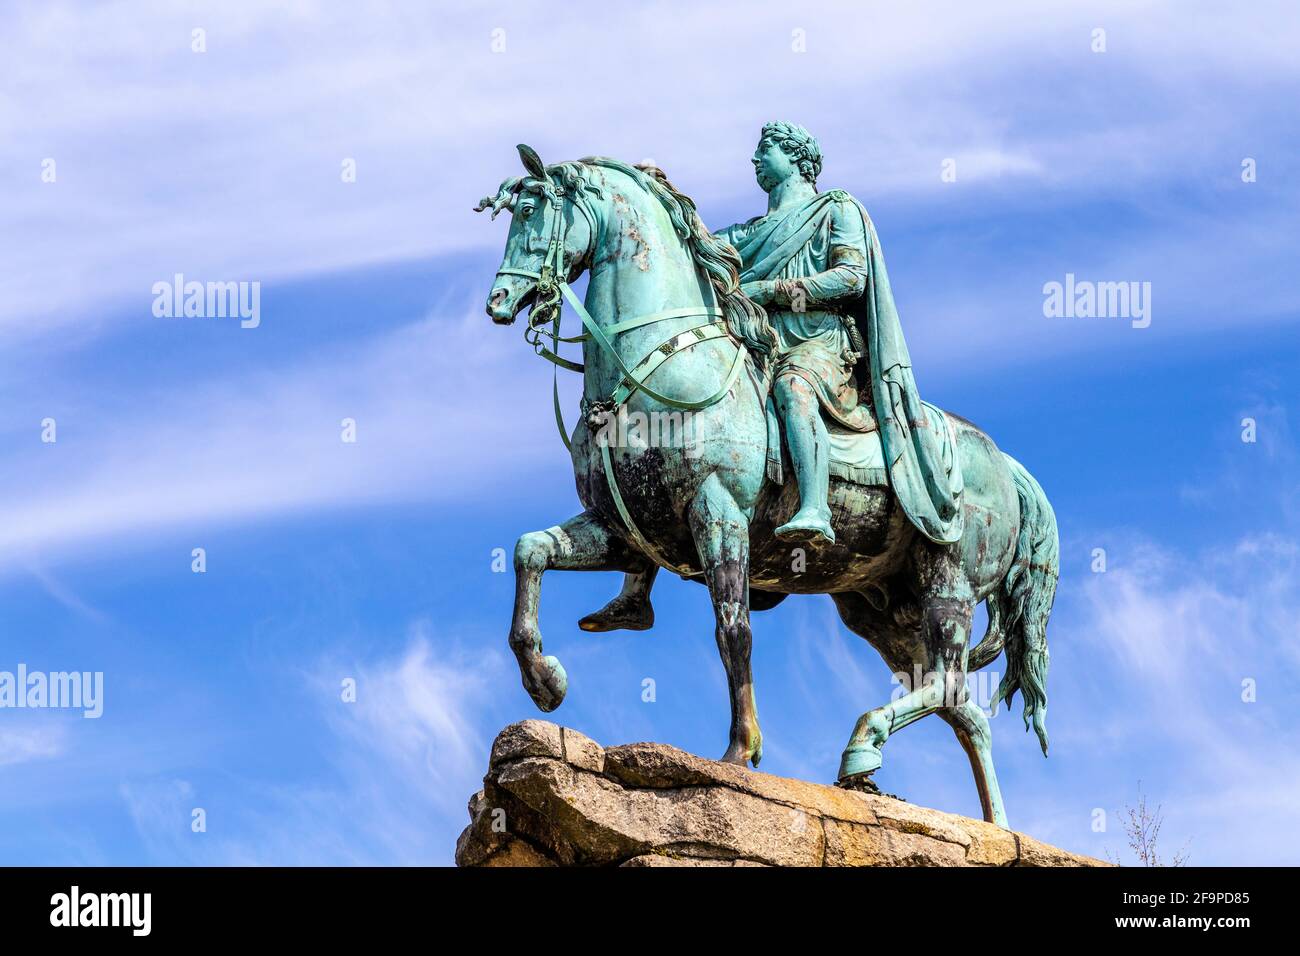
[[552, 290]]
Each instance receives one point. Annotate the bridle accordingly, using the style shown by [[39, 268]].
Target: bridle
[[552, 290], [551, 277]]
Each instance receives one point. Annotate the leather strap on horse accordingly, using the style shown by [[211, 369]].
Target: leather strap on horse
[[634, 380], [552, 288]]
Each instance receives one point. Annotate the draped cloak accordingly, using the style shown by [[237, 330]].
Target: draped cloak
[[929, 496]]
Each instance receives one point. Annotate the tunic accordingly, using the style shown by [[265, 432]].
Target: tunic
[[825, 259], [818, 279]]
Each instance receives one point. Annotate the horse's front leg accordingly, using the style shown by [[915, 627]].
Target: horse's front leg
[[721, 532], [583, 543]]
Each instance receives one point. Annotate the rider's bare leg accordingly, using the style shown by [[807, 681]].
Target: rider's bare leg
[[809, 442], [630, 610]]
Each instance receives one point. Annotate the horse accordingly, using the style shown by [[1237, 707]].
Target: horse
[[668, 331]]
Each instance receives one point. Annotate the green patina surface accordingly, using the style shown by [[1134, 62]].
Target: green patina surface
[[786, 318]]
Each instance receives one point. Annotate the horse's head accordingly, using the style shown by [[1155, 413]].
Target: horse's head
[[550, 235]]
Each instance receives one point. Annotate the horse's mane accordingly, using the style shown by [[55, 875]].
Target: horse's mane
[[715, 257]]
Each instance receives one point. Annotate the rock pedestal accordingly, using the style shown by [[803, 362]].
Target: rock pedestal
[[554, 797]]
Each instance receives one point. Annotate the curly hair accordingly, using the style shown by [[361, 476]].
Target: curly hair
[[799, 144]]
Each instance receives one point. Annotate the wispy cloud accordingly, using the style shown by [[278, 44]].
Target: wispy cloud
[[227, 164], [1194, 658], [404, 758], [419, 714], [271, 441], [22, 744]]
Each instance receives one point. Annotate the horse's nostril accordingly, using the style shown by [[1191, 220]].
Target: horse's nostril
[[498, 307]]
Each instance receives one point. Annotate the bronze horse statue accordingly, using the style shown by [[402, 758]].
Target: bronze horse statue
[[668, 332]]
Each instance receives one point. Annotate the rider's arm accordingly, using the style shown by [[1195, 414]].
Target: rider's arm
[[845, 279], [846, 275]]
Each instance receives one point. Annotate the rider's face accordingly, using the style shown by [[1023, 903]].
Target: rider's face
[[771, 165]]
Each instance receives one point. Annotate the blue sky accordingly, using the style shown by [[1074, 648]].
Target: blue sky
[[373, 560]]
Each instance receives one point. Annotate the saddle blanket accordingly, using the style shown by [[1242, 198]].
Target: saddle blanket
[[857, 456]]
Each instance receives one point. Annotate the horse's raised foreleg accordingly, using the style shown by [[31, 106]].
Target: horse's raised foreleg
[[583, 543], [721, 532], [972, 729]]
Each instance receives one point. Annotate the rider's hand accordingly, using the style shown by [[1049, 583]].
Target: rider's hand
[[760, 292]]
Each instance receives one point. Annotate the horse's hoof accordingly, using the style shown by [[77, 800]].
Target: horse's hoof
[[859, 760], [736, 756], [742, 756], [861, 782], [620, 615], [547, 684]]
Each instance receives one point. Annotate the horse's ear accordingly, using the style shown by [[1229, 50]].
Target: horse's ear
[[532, 162]]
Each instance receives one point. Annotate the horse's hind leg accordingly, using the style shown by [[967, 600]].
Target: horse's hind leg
[[583, 543], [903, 653], [939, 647], [863, 757], [721, 533], [972, 729], [630, 609]]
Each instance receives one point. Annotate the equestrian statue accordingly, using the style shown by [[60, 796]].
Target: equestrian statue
[[750, 420]]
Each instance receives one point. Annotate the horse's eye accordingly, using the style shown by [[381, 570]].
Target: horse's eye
[[526, 211]]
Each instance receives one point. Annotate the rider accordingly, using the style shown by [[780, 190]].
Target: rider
[[803, 262], [811, 262]]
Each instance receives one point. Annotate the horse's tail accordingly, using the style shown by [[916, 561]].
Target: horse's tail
[[1019, 607]]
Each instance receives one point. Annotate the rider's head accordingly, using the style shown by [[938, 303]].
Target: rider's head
[[786, 149]]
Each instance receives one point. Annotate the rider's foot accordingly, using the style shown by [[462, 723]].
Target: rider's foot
[[623, 613], [807, 524]]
